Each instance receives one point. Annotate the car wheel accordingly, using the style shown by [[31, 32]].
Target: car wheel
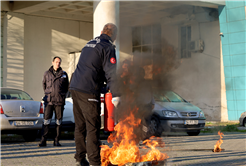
[[154, 127], [30, 136], [194, 133]]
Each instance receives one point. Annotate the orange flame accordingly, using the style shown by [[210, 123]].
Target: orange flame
[[125, 149], [217, 147]]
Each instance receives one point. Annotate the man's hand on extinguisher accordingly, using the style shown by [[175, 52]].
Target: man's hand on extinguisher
[[115, 101]]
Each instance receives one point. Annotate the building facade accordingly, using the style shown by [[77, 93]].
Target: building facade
[[200, 46]]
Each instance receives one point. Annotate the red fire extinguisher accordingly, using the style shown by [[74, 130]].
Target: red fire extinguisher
[[108, 113]]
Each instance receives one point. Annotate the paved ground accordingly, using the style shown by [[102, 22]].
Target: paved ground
[[181, 149]]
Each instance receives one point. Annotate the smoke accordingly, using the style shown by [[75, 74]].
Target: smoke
[[142, 78], [154, 58], [147, 73], [154, 50]]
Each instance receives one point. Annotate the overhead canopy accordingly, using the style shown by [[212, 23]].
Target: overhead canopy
[[83, 10]]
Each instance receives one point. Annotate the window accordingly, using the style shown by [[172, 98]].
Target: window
[[185, 38], [146, 40], [146, 43], [167, 96], [8, 94]]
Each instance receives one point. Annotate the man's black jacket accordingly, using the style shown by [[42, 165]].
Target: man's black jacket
[[55, 87], [96, 65]]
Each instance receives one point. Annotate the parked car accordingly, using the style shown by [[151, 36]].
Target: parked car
[[242, 119], [20, 114], [68, 123], [173, 113]]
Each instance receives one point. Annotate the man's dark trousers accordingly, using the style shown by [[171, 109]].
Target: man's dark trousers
[[86, 109], [48, 116]]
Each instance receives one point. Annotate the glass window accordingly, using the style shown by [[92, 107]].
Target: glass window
[[146, 41], [161, 98], [146, 49], [136, 49], [157, 49], [185, 38], [156, 34], [10, 94], [136, 36], [167, 96], [146, 35], [173, 97]]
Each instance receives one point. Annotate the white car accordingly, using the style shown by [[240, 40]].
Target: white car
[[68, 123]]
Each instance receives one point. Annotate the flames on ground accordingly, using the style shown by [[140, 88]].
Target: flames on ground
[[217, 147], [125, 148], [136, 86]]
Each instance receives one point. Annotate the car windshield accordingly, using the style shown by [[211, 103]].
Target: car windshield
[[168, 96], [13, 94]]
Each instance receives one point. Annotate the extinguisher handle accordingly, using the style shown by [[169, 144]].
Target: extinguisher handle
[[116, 101]]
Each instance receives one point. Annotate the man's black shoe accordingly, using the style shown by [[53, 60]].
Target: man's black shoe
[[83, 162], [57, 144], [42, 144]]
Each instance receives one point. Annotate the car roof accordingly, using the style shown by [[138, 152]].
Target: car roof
[[11, 88], [5, 88]]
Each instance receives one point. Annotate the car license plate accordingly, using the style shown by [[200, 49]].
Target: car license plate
[[24, 123], [191, 122]]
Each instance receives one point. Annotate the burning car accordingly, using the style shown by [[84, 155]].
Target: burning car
[[173, 113]]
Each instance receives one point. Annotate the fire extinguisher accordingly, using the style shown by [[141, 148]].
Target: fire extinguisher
[[108, 113]]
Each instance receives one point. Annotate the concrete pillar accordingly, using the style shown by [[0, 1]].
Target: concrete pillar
[[224, 111], [106, 12]]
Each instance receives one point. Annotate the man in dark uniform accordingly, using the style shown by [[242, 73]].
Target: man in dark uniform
[[55, 85], [97, 64]]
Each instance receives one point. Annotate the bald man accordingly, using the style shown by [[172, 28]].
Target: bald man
[[96, 65]]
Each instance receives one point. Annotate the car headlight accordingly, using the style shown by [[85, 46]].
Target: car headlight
[[201, 114], [170, 113]]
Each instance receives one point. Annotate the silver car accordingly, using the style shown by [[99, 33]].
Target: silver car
[[20, 114], [173, 113]]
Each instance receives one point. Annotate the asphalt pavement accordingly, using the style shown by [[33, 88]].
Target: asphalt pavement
[[183, 150]]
